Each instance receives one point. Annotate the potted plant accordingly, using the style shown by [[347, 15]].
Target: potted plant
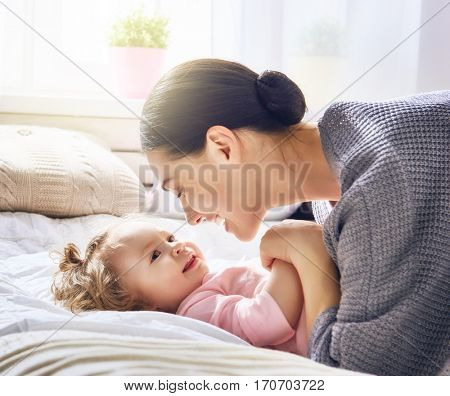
[[318, 62], [138, 45]]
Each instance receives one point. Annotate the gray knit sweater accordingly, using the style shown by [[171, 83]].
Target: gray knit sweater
[[389, 235]]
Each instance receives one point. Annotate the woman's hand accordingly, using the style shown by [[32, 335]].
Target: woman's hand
[[301, 243], [288, 239]]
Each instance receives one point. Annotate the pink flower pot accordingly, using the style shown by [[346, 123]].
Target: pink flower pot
[[136, 70]]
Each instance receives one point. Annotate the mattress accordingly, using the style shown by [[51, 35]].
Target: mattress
[[38, 337]]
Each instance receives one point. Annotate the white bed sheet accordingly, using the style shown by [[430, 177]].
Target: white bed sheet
[[39, 338], [26, 270]]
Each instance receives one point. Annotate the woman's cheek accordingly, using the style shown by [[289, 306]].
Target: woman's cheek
[[201, 201], [190, 202]]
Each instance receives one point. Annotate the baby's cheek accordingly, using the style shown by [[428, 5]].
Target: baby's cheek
[[169, 278]]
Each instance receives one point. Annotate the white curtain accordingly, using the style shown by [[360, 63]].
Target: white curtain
[[329, 47], [343, 49]]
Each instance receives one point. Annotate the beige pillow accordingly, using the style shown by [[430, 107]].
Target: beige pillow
[[61, 173]]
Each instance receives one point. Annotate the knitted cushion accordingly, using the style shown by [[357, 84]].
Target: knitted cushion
[[61, 173]]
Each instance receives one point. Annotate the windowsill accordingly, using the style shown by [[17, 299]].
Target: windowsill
[[71, 106], [74, 106]]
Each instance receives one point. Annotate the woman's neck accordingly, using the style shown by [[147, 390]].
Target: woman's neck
[[309, 174]]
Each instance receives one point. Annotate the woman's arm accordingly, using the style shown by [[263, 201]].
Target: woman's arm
[[321, 288], [285, 287], [301, 243]]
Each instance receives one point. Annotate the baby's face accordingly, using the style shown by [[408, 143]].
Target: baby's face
[[155, 267]]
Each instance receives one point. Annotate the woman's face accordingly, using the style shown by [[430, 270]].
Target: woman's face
[[213, 186]]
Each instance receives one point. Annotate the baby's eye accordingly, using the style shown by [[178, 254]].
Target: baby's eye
[[180, 194], [171, 238], [155, 255]]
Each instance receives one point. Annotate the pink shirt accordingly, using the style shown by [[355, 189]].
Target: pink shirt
[[233, 300]]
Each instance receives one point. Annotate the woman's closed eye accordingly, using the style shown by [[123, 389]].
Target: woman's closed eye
[[180, 194]]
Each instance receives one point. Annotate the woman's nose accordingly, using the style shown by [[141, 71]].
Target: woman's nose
[[179, 248], [193, 217]]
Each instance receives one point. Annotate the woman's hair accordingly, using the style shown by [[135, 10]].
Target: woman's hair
[[90, 283], [196, 95]]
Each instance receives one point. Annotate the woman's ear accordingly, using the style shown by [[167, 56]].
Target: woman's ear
[[223, 145]]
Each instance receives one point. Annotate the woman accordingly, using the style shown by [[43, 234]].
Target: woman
[[231, 144]]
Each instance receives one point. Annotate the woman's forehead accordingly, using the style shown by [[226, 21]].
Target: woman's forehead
[[160, 165], [166, 165]]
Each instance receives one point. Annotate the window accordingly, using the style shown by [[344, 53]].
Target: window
[[323, 45]]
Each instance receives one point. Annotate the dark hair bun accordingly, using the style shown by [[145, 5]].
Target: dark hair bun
[[281, 96]]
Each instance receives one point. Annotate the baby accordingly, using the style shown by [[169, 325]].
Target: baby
[[134, 265]]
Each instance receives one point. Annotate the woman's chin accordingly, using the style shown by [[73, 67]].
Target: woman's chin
[[243, 233], [244, 238]]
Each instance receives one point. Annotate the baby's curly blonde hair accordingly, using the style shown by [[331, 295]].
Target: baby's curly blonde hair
[[90, 283]]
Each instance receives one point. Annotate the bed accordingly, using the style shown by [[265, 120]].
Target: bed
[[39, 338], [58, 186]]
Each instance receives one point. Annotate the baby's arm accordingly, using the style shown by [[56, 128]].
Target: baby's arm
[[267, 318], [285, 287]]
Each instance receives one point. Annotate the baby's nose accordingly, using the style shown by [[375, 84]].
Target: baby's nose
[[179, 248]]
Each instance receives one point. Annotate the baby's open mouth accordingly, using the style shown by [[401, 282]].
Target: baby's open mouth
[[190, 263]]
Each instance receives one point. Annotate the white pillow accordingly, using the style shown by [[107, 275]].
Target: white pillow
[[61, 173]]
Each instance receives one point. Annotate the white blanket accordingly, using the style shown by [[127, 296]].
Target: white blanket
[[26, 303]]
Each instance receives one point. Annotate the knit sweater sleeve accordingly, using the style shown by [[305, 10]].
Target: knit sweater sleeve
[[388, 236], [391, 311]]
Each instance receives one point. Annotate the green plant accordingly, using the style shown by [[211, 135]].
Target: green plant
[[139, 30], [323, 38]]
